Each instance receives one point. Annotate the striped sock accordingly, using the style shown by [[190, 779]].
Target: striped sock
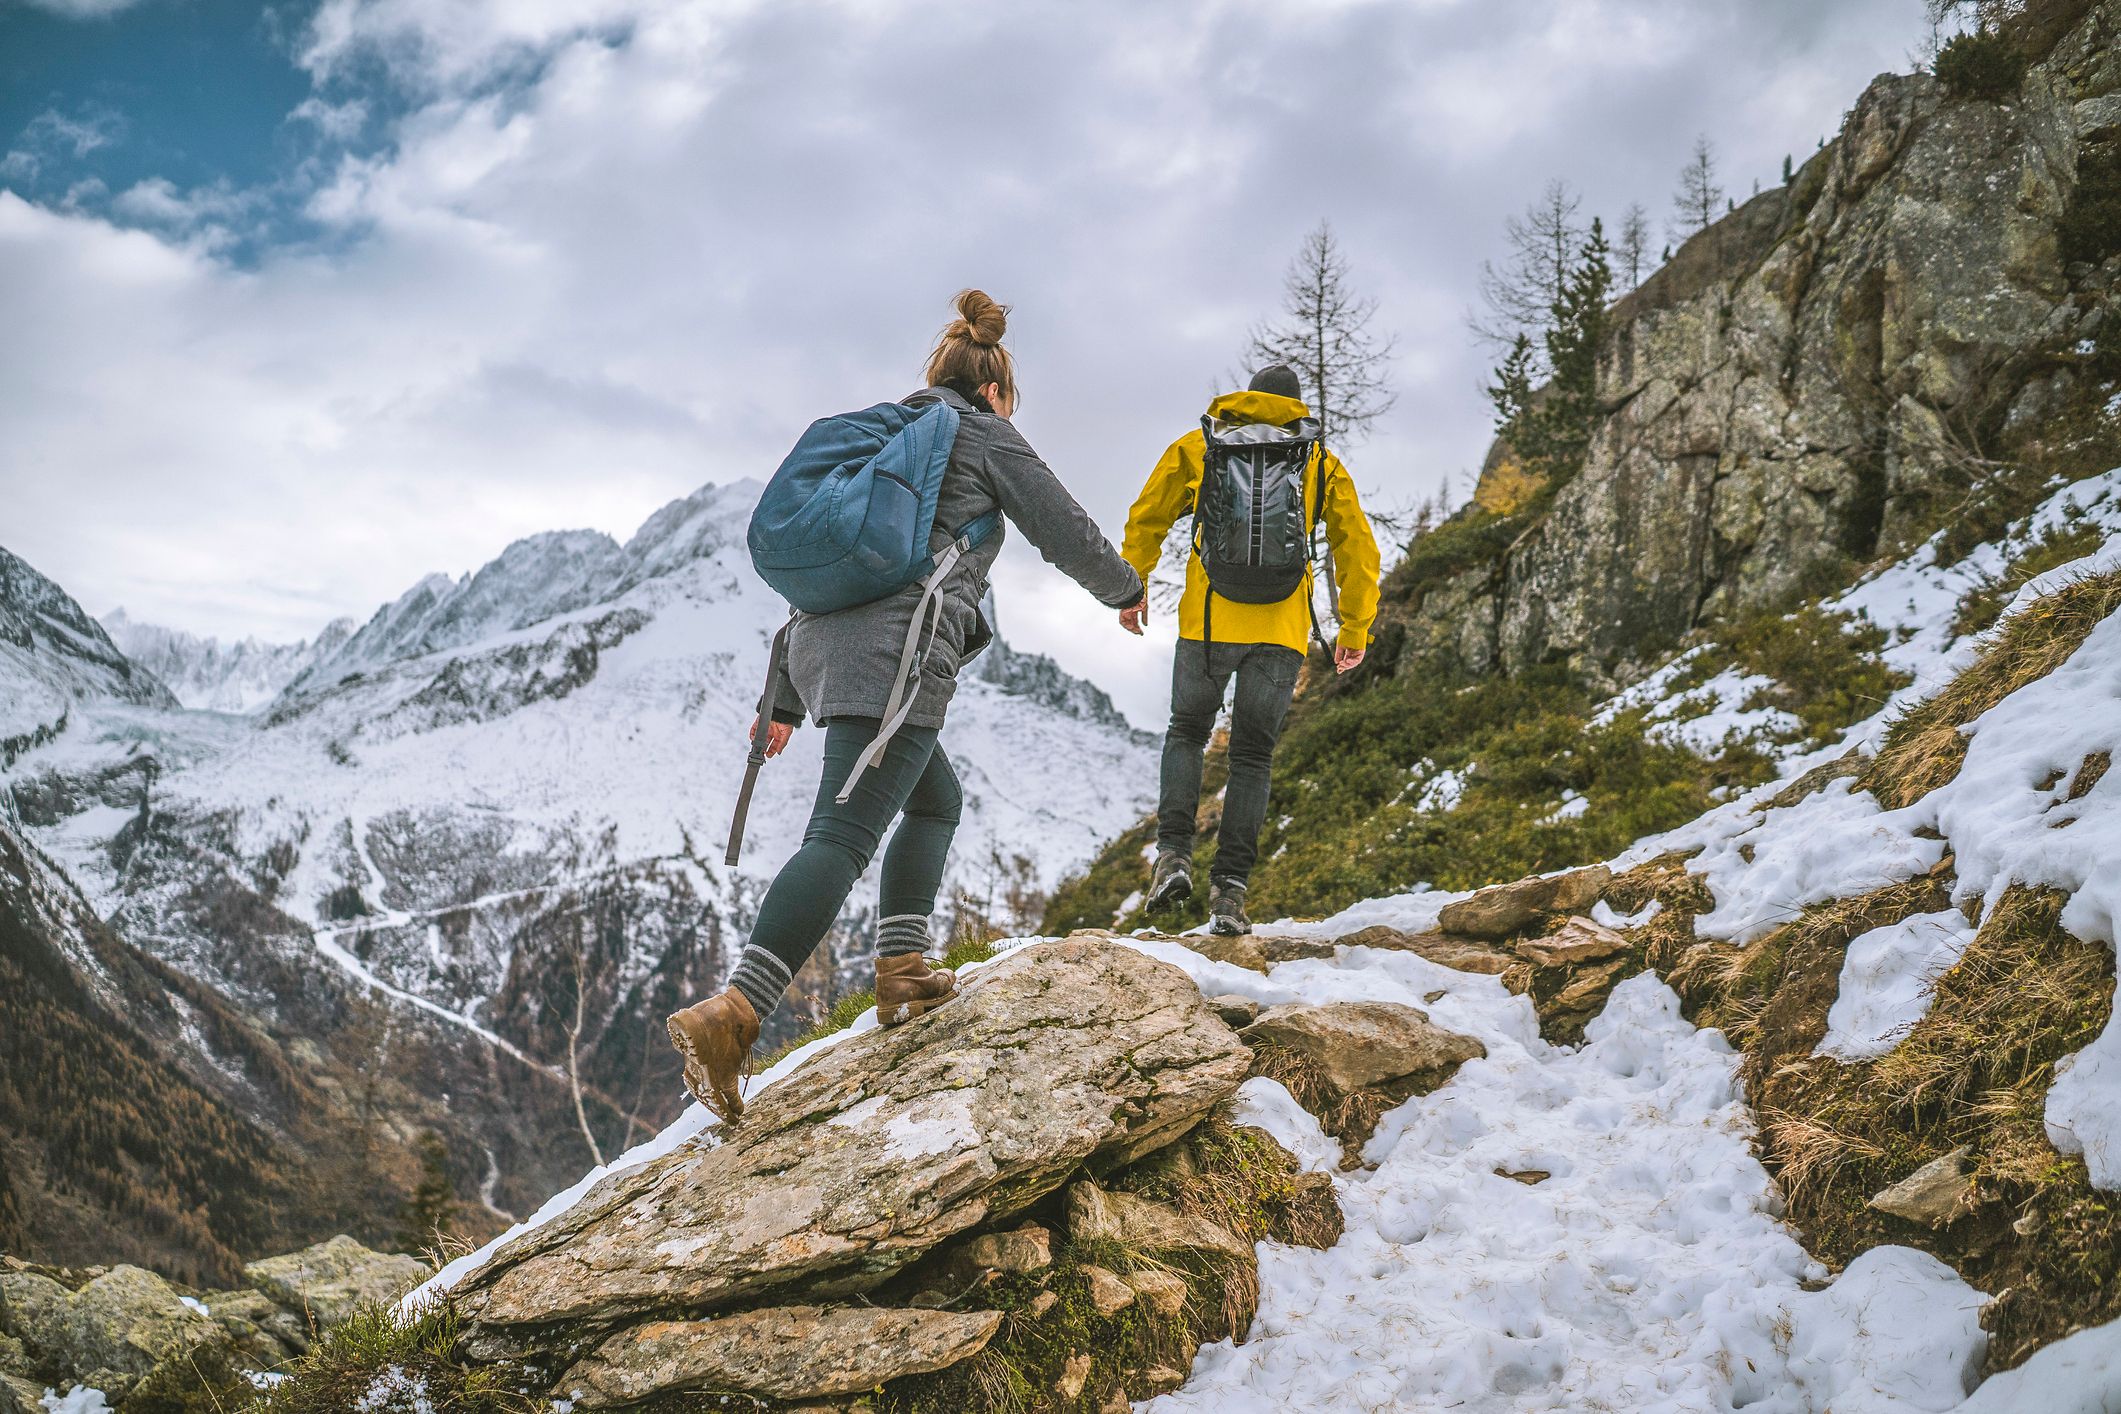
[[902, 933], [761, 977]]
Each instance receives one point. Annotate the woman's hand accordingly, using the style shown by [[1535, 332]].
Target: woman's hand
[[1346, 660], [777, 734], [1135, 615]]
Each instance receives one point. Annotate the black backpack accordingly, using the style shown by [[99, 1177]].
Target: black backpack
[[1249, 525]]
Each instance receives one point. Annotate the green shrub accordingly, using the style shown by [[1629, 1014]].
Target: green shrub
[[1982, 64], [373, 1362], [1825, 665]]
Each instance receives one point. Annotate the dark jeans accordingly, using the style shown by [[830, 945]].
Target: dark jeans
[[914, 776], [1266, 678]]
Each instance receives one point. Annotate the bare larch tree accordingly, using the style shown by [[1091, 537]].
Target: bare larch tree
[[1519, 295], [1324, 334], [1700, 198], [1633, 252]]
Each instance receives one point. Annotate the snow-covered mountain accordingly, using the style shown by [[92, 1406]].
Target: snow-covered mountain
[[208, 675], [510, 787], [52, 657]]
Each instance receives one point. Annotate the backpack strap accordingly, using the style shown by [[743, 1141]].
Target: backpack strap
[[774, 659], [920, 636]]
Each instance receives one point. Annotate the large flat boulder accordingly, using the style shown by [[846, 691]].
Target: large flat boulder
[[1360, 1044], [1462, 954], [332, 1279], [886, 1145], [782, 1352], [1505, 909]]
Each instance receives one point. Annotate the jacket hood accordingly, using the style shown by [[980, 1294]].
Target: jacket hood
[[1249, 406]]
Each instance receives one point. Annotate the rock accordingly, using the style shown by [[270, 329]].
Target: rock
[[1095, 1214], [1579, 940], [1461, 954], [31, 1304], [14, 1356], [127, 1322], [1042, 1303], [259, 1325], [781, 1352], [1027, 1249], [1528, 1177], [1161, 1379], [1108, 1294], [1360, 1044], [1280, 948], [1234, 1011], [1504, 909], [20, 1396], [1163, 1293], [1116, 1403], [1074, 1374], [1245, 951], [1932, 1195], [886, 1145], [330, 1280], [1590, 987]]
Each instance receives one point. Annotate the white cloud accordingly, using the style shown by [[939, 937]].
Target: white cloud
[[93, 127], [82, 9], [338, 122], [617, 248]]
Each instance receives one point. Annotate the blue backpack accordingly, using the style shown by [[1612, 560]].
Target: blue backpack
[[846, 521]]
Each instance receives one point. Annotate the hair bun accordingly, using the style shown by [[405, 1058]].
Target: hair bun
[[979, 319]]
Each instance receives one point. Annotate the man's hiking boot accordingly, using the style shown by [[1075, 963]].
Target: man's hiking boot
[[1172, 882], [1226, 908], [906, 986], [715, 1037]]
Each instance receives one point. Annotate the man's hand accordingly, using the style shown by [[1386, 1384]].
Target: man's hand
[[1346, 660], [777, 734], [1135, 615]]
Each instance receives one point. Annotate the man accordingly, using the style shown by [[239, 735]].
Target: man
[[1260, 644]]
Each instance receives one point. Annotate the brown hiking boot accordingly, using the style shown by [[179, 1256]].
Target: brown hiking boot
[[907, 986], [715, 1037]]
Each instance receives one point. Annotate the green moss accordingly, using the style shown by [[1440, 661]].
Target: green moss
[[345, 1367]]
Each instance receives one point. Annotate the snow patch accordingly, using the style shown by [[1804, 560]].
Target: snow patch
[[1887, 980]]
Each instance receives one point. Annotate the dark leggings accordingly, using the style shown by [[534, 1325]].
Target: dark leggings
[[914, 779]]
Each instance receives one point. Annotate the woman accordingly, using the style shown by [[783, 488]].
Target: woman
[[840, 670]]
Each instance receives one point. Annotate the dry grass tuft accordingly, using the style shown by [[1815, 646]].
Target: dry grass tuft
[[1350, 1118], [1924, 748]]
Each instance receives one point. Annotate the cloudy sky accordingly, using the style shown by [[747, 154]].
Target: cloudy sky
[[300, 302]]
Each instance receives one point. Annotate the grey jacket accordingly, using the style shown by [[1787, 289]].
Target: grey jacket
[[842, 664]]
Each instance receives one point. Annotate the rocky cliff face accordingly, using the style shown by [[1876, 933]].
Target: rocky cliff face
[[1818, 378]]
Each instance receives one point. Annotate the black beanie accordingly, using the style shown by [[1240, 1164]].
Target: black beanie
[[1278, 379]]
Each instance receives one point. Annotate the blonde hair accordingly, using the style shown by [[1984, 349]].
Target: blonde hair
[[969, 353]]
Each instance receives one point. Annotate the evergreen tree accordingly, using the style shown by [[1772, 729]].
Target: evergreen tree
[[1325, 336], [1511, 392], [430, 1214], [1571, 409], [1788, 174]]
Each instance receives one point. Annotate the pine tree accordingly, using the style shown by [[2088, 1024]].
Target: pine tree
[[1788, 173], [1571, 410], [1694, 203], [1325, 336], [430, 1214], [1511, 392]]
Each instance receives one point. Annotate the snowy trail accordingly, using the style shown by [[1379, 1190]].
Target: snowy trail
[[1649, 1272]]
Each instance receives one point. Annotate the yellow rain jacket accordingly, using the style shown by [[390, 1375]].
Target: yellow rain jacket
[[1170, 494]]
